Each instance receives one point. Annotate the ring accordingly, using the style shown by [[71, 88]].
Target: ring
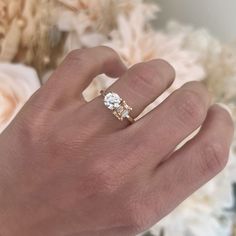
[[117, 105]]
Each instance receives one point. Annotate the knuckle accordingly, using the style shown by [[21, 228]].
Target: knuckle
[[82, 57], [77, 58], [190, 108], [45, 99], [110, 51], [150, 76], [165, 69], [214, 157], [110, 54], [143, 77], [76, 54]]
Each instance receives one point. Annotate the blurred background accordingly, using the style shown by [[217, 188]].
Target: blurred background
[[216, 15], [197, 37]]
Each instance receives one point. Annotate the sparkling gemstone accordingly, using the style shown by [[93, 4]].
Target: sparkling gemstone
[[122, 111], [112, 100], [125, 113]]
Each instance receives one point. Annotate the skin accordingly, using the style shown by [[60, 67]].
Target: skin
[[71, 168]]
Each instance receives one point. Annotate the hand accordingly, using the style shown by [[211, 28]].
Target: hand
[[71, 168]]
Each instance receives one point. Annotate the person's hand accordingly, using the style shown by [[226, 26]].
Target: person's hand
[[70, 168]]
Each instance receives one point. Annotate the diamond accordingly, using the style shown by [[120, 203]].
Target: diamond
[[112, 100], [125, 113], [122, 111]]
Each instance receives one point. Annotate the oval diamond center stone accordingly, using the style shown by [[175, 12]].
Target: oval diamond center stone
[[112, 100]]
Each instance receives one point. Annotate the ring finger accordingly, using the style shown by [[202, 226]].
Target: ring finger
[[139, 87]]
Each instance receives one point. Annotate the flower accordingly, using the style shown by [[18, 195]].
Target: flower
[[17, 84], [89, 23], [26, 32]]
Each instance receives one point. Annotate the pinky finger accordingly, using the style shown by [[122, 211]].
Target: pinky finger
[[195, 163]]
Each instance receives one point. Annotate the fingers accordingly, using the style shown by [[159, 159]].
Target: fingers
[[80, 67], [139, 86], [161, 130], [195, 163]]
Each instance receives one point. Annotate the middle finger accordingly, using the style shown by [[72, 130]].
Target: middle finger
[[159, 132]]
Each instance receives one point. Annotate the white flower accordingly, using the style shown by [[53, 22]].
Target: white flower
[[17, 83], [89, 23]]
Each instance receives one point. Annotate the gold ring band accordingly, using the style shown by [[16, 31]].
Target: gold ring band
[[130, 119], [117, 105]]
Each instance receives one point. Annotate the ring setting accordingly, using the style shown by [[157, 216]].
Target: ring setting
[[117, 105]]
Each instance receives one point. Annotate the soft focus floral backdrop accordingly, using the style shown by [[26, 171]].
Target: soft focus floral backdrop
[[35, 36]]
